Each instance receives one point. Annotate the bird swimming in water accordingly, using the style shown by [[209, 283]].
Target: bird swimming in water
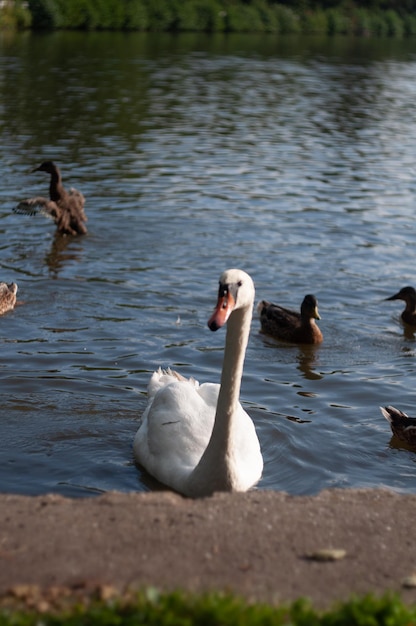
[[8, 293], [403, 426], [288, 325], [408, 295], [197, 439], [66, 208]]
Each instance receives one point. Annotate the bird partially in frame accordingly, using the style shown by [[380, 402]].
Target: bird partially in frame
[[66, 208], [402, 426], [289, 325], [408, 295], [8, 293]]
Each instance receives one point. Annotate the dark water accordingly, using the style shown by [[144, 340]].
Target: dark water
[[294, 160]]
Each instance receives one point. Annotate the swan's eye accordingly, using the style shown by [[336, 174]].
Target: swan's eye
[[240, 282]]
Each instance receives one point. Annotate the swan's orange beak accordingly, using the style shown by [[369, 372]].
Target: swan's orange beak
[[224, 308]]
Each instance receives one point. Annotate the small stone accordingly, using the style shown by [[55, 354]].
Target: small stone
[[409, 582], [106, 592], [327, 554], [24, 591]]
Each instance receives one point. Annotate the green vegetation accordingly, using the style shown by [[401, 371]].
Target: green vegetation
[[15, 15], [154, 609], [393, 18]]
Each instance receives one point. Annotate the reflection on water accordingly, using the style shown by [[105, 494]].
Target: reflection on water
[[308, 362], [61, 253], [292, 159]]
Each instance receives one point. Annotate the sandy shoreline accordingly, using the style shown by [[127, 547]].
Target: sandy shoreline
[[255, 544]]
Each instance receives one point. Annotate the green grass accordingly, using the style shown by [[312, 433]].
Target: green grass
[[179, 609]]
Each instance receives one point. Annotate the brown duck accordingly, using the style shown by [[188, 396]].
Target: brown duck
[[403, 426], [290, 325], [66, 208], [408, 294], [8, 293]]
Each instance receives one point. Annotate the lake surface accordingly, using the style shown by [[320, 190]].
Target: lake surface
[[294, 160]]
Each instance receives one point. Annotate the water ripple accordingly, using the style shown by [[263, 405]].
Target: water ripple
[[296, 165]]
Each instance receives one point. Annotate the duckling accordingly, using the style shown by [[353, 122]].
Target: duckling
[[290, 325], [8, 293], [403, 426], [65, 208], [408, 294]]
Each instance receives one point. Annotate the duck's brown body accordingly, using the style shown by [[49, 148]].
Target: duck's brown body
[[408, 295], [292, 326], [402, 426], [65, 208], [8, 293]]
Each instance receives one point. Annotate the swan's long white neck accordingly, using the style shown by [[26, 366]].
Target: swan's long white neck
[[214, 472], [238, 330]]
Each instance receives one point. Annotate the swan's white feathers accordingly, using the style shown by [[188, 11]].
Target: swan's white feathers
[[179, 429], [182, 418], [162, 377]]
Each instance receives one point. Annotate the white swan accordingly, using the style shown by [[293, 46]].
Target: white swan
[[197, 439]]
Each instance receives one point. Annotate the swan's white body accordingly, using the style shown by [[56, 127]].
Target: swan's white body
[[197, 439]]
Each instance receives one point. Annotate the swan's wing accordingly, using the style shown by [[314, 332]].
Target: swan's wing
[[160, 378], [247, 449], [209, 393], [37, 206], [175, 430]]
